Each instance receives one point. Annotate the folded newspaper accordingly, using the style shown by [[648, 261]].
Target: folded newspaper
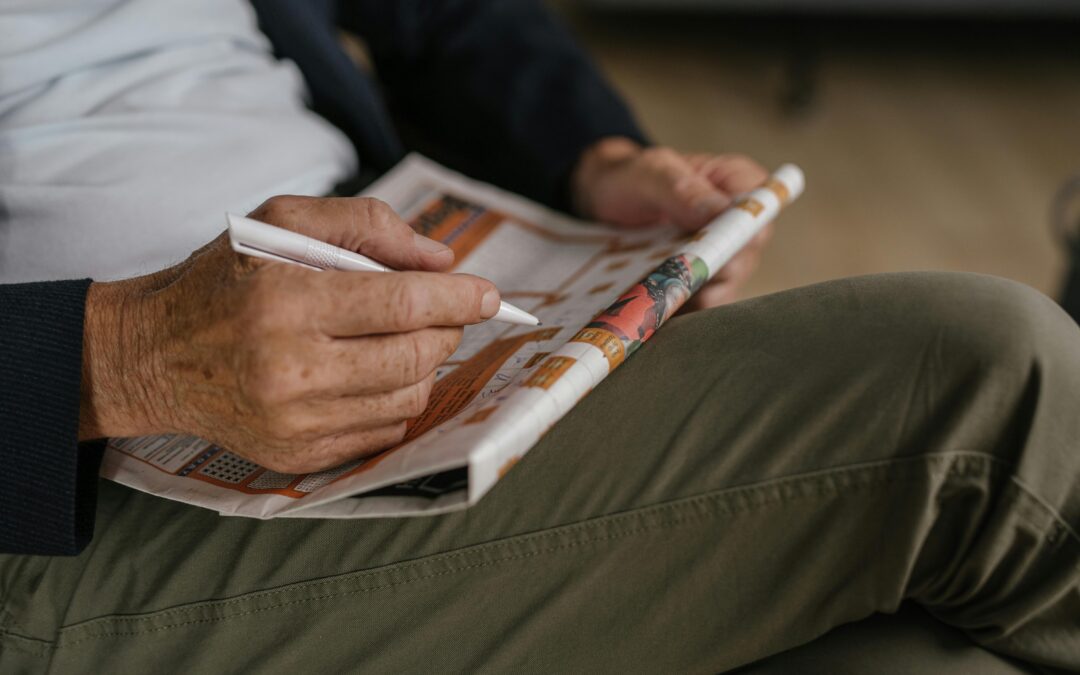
[[600, 293]]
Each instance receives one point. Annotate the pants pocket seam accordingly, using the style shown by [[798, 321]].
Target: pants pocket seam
[[730, 501]]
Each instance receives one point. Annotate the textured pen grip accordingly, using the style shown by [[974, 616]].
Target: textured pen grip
[[321, 254]]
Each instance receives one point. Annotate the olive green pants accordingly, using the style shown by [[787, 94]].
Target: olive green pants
[[754, 477]]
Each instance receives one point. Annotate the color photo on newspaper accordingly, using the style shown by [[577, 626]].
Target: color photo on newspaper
[[599, 292]]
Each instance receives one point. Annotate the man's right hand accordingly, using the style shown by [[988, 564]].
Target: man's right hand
[[294, 369]]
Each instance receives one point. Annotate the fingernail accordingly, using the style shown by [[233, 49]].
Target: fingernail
[[712, 204], [429, 245], [489, 305]]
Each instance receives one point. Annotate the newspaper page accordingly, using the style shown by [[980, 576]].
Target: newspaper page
[[506, 384]]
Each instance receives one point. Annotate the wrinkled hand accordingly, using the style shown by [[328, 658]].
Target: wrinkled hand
[[620, 183], [292, 368]]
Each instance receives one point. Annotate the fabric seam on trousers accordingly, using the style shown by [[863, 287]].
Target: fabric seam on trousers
[[725, 501], [1069, 529], [722, 501]]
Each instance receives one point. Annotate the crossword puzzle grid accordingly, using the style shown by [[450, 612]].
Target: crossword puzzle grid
[[229, 468]]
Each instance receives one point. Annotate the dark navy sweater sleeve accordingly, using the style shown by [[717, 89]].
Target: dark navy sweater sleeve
[[500, 88], [47, 500]]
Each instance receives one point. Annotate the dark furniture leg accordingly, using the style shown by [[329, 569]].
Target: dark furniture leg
[[1067, 224]]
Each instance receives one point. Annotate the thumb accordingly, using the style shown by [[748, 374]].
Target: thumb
[[688, 199], [364, 225]]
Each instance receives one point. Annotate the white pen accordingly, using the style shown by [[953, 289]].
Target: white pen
[[260, 240]]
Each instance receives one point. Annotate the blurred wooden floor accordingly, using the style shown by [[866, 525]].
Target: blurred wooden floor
[[920, 153]]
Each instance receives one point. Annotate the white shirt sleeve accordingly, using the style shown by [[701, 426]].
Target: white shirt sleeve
[[128, 128]]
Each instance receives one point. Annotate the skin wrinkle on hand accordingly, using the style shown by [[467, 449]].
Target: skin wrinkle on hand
[[299, 370], [226, 349], [623, 184]]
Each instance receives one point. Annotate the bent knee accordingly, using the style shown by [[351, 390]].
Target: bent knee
[[994, 322], [953, 323]]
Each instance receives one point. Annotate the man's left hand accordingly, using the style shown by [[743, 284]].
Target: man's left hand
[[620, 183]]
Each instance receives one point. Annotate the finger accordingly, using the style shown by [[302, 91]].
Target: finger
[[688, 199], [356, 413], [375, 364], [746, 259], [734, 174], [347, 304], [333, 450], [735, 272], [724, 287], [763, 237], [336, 450], [361, 224], [715, 296], [741, 267], [312, 419]]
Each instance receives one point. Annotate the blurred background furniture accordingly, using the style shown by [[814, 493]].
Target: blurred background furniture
[[1067, 226], [980, 7], [800, 49], [935, 137]]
